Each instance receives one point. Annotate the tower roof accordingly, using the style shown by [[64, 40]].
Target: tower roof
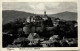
[[45, 13]]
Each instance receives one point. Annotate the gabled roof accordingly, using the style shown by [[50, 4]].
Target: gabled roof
[[33, 36]]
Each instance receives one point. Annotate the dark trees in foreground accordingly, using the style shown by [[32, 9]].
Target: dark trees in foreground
[[64, 28]]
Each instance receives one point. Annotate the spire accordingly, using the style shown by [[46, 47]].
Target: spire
[[45, 13]]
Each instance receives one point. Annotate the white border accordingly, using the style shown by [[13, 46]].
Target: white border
[[47, 48]]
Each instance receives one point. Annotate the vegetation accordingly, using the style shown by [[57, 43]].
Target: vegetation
[[63, 29]]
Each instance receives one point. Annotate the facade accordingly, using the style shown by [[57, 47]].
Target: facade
[[30, 19], [33, 38], [34, 19], [38, 21]]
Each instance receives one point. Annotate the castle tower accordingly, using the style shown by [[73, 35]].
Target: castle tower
[[45, 13]]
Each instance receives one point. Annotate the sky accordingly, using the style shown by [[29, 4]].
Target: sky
[[40, 7]]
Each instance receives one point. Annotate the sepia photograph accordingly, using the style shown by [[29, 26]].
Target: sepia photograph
[[39, 24]]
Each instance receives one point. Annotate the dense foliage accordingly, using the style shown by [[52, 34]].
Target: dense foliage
[[63, 29]]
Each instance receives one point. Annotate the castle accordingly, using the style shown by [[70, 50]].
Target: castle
[[37, 23], [39, 19]]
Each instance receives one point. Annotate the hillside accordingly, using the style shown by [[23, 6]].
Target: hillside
[[10, 15], [65, 15]]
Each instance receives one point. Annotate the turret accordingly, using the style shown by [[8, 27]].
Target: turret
[[45, 13]]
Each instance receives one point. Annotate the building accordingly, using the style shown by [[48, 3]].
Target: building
[[36, 20], [37, 23], [45, 17], [56, 22], [33, 38], [47, 20], [30, 19]]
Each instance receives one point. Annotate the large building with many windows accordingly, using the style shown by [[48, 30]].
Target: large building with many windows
[[37, 23]]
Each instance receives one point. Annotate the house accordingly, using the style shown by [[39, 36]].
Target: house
[[33, 38], [54, 38]]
